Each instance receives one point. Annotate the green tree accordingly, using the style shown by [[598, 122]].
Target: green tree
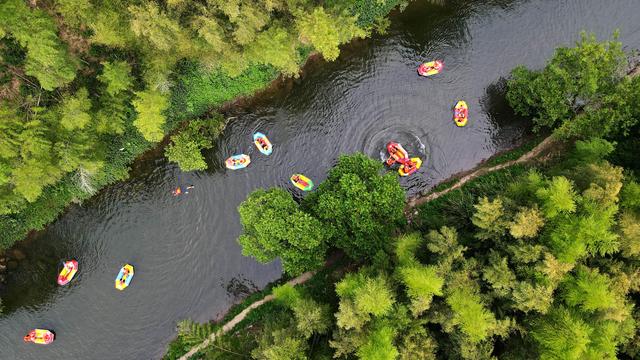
[[499, 275], [561, 334], [526, 223], [150, 106], [75, 111], [379, 344], [422, 282], [630, 196], [489, 218], [75, 12], [359, 207], [557, 198], [326, 32], [277, 47], [274, 226], [47, 59], [573, 77], [469, 311], [186, 147], [361, 297], [630, 234], [116, 75], [589, 290]]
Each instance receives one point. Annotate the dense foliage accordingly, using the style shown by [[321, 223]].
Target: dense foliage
[[359, 207], [355, 209], [589, 80], [88, 85]]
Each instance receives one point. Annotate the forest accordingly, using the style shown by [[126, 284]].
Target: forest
[[533, 261], [86, 86]]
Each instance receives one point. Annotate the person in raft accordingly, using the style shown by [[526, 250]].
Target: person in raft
[[263, 143], [125, 273]]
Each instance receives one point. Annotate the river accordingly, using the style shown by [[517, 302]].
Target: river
[[188, 264]]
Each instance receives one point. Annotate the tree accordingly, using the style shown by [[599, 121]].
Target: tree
[[150, 105], [561, 334], [75, 111], [116, 75], [630, 234], [274, 226], [469, 312], [557, 198], [159, 30], [422, 282], [572, 80], [417, 344], [589, 290], [361, 297], [75, 12], [326, 32], [359, 207], [379, 344], [310, 316], [526, 223], [277, 47], [47, 60], [499, 275], [630, 196], [489, 218], [186, 147]]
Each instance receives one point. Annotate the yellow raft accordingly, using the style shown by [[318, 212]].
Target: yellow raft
[[405, 170], [461, 113], [124, 277]]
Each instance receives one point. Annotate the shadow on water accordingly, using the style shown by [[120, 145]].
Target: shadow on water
[[509, 125]]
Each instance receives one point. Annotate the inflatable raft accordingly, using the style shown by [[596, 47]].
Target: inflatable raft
[[40, 336], [460, 113], [396, 153], [409, 167], [124, 277], [430, 68], [68, 272], [262, 143], [302, 182], [237, 162]]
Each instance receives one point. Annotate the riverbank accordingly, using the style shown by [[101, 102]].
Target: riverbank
[[196, 93]]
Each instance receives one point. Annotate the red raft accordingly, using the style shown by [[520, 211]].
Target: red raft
[[68, 272], [396, 153], [40, 336]]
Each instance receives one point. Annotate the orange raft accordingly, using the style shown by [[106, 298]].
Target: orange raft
[[68, 272], [409, 167], [40, 336], [396, 153]]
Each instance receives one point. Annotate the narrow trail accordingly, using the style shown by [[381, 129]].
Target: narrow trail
[[238, 318], [546, 144]]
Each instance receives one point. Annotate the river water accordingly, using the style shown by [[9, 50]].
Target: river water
[[188, 264]]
